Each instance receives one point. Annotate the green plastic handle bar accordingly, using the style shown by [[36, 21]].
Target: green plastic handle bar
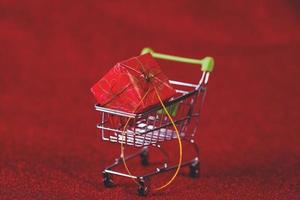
[[207, 63]]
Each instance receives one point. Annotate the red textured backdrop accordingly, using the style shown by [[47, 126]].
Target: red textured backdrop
[[51, 52]]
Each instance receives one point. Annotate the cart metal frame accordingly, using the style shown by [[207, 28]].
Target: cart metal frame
[[152, 127]]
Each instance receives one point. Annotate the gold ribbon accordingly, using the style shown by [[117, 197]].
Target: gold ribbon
[[178, 137]]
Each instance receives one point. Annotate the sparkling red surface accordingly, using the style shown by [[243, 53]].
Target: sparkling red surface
[[51, 52]]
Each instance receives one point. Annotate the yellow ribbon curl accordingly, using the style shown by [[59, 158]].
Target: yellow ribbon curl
[[178, 137]]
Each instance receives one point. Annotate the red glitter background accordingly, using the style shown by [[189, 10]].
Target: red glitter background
[[51, 52]]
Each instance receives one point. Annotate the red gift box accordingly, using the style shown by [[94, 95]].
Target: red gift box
[[129, 85]]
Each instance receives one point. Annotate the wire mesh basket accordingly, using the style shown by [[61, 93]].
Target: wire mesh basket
[[153, 126]]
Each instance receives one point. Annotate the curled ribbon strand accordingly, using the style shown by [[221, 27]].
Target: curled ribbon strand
[[178, 137]]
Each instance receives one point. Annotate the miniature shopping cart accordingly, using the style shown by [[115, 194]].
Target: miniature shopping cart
[[152, 127]]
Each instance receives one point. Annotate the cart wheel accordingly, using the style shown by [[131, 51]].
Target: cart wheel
[[142, 188], [195, 169], [107, 181], [144, 158]]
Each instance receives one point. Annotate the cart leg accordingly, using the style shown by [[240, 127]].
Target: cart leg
[[194, 144], [195, 165], [145, 157], [143, 189], [195, 168], [107, 180], [118, 160]]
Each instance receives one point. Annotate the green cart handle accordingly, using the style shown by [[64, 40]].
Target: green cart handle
[[207, 63]]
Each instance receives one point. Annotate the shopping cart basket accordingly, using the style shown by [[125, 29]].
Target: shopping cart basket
[[152, 127]]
